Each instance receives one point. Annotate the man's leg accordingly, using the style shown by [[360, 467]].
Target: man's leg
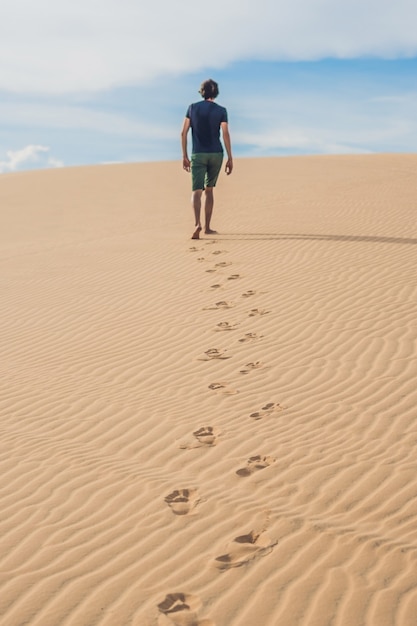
[[196, 202], [208, 209], [213, 168]]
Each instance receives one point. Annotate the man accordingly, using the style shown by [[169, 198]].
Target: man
[[205, 118]]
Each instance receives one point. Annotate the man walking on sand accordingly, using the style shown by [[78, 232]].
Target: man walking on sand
[[205, 118]]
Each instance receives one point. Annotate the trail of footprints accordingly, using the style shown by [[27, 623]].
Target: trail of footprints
[[182, 609]]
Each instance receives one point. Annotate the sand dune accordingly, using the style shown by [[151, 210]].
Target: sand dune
[[218, 432]]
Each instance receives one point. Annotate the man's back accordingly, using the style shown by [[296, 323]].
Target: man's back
[[206, 117]]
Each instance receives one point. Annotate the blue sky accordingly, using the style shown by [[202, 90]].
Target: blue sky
[[105, 81]]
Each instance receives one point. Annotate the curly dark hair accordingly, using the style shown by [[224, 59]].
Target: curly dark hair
[[209, 89]]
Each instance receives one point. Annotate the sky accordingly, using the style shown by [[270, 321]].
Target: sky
[[109, 81]]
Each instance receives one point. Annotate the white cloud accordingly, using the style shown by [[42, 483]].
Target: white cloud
[[16, 159], [325, 123], [56, 46], [62, 116], [52, 162]]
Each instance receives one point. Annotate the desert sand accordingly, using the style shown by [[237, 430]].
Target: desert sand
[[219, 432]]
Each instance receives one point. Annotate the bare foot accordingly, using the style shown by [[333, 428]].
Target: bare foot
[[196, 233], [209, 231]]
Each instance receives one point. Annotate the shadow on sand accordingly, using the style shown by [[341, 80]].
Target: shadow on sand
[[317, 237]]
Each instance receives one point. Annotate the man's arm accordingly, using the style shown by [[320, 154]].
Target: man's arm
[[228, 145], [184, 133]]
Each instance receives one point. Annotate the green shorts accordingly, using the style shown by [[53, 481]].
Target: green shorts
[[205, 169]]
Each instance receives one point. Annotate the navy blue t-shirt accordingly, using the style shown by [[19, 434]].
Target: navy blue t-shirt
[[206, 117]]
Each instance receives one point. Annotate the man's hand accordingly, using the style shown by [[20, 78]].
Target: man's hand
[[229, 166], [186, 165]]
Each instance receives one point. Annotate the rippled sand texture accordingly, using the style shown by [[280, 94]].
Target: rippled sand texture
[[219, 432]]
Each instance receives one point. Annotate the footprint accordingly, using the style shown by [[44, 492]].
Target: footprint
[[223, 388], [225, 326], [193, 249], [201, 258], [250, 337], [248, 293], [219, 251], [255, 463], [216, 286], [182, 501], [219, 305], [268, 409], [181, 609], [233, 277], [223, 264], [251, 366], [207, 435], [245, 548], [254, 312], [212, 271], [213, 353], [175, 602]]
